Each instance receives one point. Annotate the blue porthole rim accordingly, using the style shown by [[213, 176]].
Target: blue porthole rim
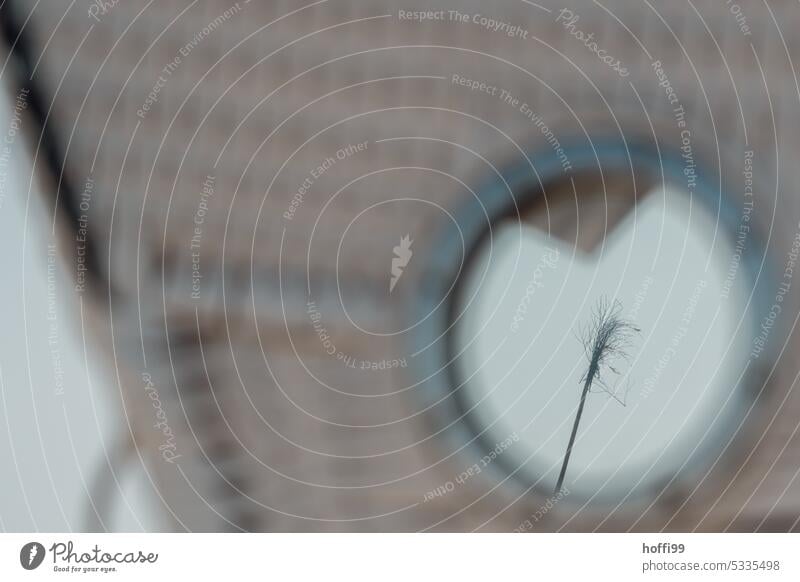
[[435, 374]]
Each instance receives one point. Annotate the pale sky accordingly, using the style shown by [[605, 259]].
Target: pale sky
[[531, 384]]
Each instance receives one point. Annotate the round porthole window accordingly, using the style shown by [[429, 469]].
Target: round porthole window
[[629, 232]]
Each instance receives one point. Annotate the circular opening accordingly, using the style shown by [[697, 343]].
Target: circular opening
[[659, 253]]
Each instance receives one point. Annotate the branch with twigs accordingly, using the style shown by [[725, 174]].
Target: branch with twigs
[[606, 339]]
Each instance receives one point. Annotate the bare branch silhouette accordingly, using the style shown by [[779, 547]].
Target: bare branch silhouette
[[606, 339]]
